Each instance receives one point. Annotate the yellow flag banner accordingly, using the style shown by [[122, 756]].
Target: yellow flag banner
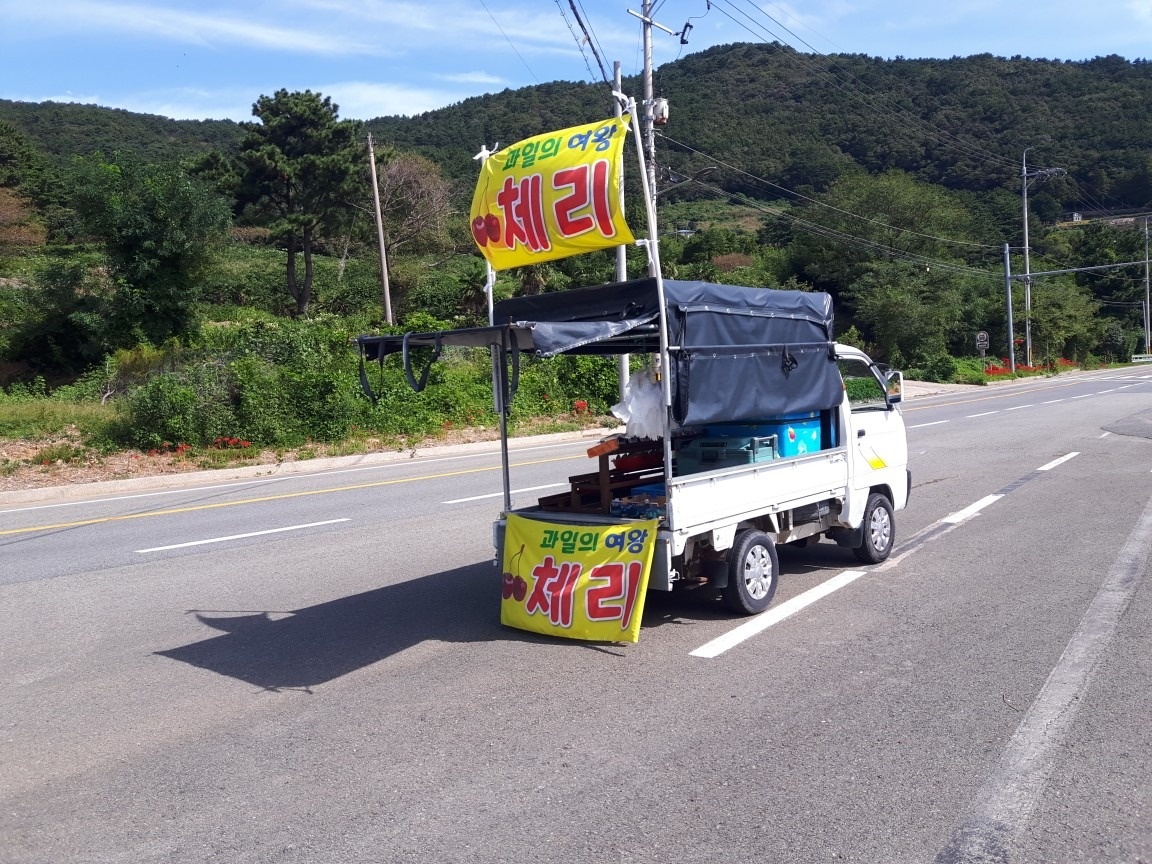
[[552, 196], [576, 581]]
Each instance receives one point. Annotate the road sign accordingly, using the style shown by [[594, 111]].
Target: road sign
[[982, 339]]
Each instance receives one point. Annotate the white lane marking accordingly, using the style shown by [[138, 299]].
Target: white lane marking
[[1059, 461], [1018, 407], [1001, 808], [1051, 401], [1106, 434], [241, 536], [773, 616], [971, 510], [1082, 396], [498, 494], [1113, 390], [933, 423], [985, 414]]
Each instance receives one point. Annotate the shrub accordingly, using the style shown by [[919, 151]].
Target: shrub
[[940, 368]]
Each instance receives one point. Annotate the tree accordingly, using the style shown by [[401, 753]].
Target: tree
[[302, 164], [157, 226]]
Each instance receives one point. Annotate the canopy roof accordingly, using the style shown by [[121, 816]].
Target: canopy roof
[[735, 353]]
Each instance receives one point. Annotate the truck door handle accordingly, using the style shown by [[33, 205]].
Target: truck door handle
[[859, 433]]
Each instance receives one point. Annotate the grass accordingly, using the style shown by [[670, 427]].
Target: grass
[[44, 418]]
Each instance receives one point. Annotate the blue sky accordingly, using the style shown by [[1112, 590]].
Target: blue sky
[[208, 59]]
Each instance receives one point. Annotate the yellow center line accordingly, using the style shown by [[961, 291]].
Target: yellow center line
[[169, 512]]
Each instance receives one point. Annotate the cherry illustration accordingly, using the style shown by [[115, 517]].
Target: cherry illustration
[[492, 225], [508, 585], [519, 588], [480, 230]]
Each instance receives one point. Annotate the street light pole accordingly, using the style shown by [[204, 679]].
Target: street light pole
[[1147, 304], [1027, 266]]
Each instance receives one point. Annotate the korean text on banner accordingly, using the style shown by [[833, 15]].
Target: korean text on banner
[[576, 581], [552, 196]]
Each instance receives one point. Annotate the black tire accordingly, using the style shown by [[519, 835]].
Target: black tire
[[753, 571], [879, 530]]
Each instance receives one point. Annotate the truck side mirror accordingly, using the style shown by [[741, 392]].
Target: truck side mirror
[[895, 386]]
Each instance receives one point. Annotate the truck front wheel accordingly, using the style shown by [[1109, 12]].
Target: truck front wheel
[[878, 530], [753, 570]]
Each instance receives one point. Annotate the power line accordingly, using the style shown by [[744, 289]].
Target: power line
[[509, 41], [864, 95], [823, 204]]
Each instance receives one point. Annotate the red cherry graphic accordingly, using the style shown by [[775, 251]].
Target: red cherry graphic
[[480, 230], [508, 585], [519, 588], [492, 224], [791, 434]]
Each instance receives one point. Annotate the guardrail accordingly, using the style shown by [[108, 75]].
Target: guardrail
[[1142, 358]]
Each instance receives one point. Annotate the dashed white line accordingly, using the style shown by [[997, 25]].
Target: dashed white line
[[241, 536], [773, 616], [933, 423], [498, 494], [971, 510], [1018, 407], [1059, 461], [985, 414], [1106, 434], [1051, 401]]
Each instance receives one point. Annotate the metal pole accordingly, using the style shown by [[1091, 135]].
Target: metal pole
[[623, 369], [1147, 304], [1027, 265], [648, 129], [380, 235], [1011, 324]]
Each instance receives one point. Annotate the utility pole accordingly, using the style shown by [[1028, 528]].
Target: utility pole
[[1147, 299], [647, 124], [380, 235], [1024, 177], [1008, 301]]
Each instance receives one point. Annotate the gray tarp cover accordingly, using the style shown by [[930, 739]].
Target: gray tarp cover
[[736, 353]]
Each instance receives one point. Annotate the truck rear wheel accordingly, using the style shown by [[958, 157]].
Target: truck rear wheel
[[753, 571], [879, 530]]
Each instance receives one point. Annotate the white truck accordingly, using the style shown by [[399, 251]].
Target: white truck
[[770, 432]]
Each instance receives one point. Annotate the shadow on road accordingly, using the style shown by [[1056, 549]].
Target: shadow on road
[[316, 644], [311, 646]]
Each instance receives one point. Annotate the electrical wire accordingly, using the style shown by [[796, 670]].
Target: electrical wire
[[848, 239], [870, 100], [590, 40], [819, 203], [509, 41]]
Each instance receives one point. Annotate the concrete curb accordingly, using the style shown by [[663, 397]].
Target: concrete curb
[[155, 482]]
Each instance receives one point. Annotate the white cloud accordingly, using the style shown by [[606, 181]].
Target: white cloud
[[202, 28], [472, 78], [362, 100]]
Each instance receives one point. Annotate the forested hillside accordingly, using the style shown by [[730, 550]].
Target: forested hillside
[[199, 281]]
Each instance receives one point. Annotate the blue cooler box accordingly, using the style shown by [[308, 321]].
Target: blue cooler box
[[796, 434]]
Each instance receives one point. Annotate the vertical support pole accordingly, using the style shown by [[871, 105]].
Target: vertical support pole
[[1011, 325], [649, 138], [385, 290], [623, 364], [1027, 264], [1147, 299]]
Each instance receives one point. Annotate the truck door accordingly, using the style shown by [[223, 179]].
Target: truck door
[[878, 444]]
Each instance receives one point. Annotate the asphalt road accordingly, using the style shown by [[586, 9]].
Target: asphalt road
[[310, 668]]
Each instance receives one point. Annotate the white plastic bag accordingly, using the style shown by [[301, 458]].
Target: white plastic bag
[[642, 409]]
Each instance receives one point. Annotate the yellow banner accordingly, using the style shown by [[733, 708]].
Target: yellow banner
[[552, 196], [576, 581]]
